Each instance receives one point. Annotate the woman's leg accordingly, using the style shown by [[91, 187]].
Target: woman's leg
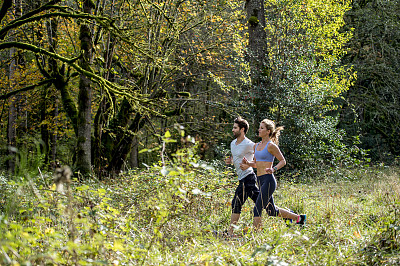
[[287, 214], [264, 199]]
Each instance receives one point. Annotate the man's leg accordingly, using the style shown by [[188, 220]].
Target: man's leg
[[253, 194], [234, 219], [238, 200], [252, 189], [257, 223]]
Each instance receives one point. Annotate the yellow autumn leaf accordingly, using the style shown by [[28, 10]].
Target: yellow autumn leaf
[[49, 230], [118, 246]]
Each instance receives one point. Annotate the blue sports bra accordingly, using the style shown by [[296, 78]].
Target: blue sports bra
[[263, 155]]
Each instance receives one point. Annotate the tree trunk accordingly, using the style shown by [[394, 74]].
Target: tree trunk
[[53, 137], [124, 146], [103, 143], [134, 162], [257, 49], [11, 129], [51, 141], [84, 127], [44, 129], [13, 109], [257, 38]]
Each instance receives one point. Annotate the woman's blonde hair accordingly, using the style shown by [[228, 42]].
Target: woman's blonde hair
[[275, 132]]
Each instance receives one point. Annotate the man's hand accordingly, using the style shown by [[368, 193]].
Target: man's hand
[[245, 164]]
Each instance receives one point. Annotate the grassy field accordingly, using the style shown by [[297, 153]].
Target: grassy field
[[167, 216]]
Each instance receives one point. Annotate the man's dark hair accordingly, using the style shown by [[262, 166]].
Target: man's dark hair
[[242, 123]]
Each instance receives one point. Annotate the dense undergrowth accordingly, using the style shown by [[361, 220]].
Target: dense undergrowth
[[167, 214]]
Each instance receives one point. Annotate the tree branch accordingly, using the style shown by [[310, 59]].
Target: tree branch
[[48, 6], [41, 68], [27, 88], [105, 22], [38, 50], [109, 86], [4, 8]]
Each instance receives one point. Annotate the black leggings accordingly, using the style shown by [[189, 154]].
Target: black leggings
[[267, 185], [247, 188]]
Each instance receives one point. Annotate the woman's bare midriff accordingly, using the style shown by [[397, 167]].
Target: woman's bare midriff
[[261, 166]]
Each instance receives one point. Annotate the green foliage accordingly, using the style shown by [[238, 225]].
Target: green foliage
[[158, 56], [302, 78], [384, 245], [319, 147], [253, 20], [167, 213], [29, 160], [371, 106]]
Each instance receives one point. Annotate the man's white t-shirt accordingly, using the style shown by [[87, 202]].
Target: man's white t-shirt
[[244, 149]]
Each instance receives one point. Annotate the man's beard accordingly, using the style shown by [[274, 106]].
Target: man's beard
[[236, 134]]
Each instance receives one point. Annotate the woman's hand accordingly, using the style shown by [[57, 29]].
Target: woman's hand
[[269, 170]]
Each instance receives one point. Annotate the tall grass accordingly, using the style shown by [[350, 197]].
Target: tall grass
[[166, 215]]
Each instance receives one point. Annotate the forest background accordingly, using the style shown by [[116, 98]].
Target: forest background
[[93, 83], [109, 87]]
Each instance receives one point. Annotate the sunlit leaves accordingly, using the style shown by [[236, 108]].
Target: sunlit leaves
[[306, 45], [306, 41]]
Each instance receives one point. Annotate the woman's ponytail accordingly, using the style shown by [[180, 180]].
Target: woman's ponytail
[[275, 132], [275, 135]]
